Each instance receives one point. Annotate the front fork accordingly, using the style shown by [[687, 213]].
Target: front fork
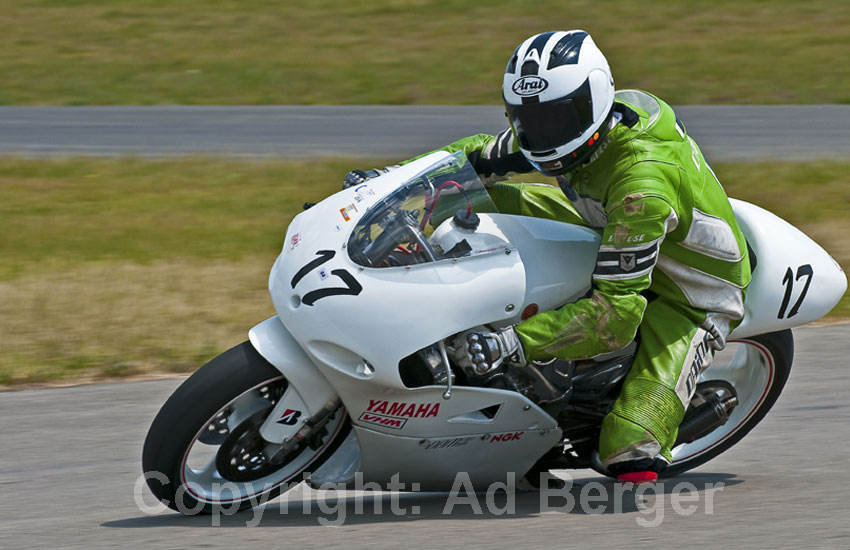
[[308, 400]]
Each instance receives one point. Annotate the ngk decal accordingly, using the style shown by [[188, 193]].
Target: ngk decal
[[385, 421], [506, 437], [289, 417], [403, 410]]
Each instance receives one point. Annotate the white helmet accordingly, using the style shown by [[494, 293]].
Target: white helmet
[[559, 94]]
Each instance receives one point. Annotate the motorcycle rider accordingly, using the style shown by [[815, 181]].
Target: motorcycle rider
[[672, 267]]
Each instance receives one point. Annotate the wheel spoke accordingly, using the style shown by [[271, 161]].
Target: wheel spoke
[[245, 406], [231, 416], [203, 477], [244, 471]]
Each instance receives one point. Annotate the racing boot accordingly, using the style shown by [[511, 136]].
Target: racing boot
[[630, 452], [642, 470]]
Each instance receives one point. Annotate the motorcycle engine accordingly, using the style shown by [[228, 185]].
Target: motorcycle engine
[[547, 384]]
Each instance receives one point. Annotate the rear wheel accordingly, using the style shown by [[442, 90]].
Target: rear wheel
[[204, 449], [757, 368]]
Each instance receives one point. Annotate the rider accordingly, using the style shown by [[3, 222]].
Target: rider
[[672, 267]]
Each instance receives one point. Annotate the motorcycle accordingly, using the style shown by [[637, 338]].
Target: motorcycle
[[355, 374]]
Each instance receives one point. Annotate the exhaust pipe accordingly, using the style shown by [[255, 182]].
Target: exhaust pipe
[[717, 400]]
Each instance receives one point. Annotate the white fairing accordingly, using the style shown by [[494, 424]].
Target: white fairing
[[558, 258], [308, 390], [795, 281], [356, 323], [357, 340]]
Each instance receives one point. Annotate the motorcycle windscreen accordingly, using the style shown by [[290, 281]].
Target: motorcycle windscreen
[[395, 231]]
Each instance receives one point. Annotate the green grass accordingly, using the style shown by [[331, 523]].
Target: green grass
[[118, 267], [61, 214], [89, 52]]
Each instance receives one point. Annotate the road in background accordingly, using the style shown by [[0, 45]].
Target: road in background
[[71, 458], [725, 133]]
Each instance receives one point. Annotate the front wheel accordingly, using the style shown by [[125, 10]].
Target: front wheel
[[204, 449], [757, 367]]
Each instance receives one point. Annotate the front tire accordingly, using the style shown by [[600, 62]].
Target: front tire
[[758, 369], [226, 398]]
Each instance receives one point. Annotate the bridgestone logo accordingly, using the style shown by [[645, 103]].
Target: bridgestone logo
[[289, 417]]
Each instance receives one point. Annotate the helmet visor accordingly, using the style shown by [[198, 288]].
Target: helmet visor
[[547, 125]]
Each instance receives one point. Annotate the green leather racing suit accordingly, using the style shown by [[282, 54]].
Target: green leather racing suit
[[672, 265]]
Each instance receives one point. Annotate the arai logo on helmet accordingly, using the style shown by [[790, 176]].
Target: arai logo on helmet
[[530, 85]]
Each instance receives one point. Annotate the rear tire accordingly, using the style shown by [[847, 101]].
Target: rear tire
[[758, 370], [230, 391]]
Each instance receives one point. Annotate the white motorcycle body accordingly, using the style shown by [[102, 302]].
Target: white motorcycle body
[[343, 328]]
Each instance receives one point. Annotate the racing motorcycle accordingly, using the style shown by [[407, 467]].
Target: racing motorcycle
[[355, 374]]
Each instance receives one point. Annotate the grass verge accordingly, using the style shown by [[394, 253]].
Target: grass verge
[[119, 267], [90, 52]]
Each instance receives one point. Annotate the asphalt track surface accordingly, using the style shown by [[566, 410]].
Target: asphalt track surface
[[725, 133], [71, 459]]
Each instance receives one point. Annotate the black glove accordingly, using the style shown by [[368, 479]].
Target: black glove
[[356, 177], [483, 349]]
